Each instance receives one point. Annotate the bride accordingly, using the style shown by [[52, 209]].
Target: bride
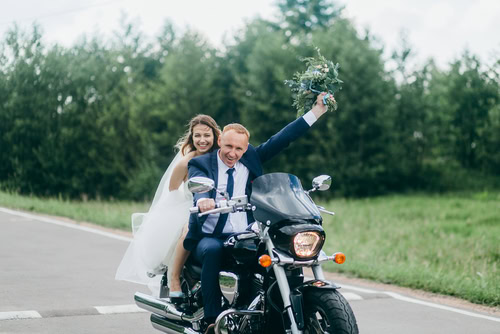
[[159, 233]]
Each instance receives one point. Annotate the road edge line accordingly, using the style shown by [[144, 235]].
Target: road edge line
[[64, 224], [442, 307]]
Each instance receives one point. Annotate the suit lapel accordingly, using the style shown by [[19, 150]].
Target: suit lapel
[[254, 169]]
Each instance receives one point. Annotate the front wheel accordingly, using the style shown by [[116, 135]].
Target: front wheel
[[327, 311]]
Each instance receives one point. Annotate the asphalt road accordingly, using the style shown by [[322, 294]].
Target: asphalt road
[[58, 277]]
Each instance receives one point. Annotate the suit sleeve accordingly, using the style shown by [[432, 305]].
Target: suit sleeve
[[282, 139], [196, 169]]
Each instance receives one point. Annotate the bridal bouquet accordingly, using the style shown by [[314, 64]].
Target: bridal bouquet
[[320, 76]]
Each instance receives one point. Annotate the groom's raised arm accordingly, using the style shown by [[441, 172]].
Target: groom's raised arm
[[291, 132]]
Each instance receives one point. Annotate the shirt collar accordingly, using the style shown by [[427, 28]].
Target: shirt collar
[[223, 167]]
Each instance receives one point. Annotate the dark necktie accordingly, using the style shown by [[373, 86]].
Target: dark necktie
[[223, 217], [230, 182]]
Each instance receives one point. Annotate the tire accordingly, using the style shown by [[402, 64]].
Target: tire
[[327, 311]]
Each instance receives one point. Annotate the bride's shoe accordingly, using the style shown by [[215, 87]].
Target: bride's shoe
[[177, 294]]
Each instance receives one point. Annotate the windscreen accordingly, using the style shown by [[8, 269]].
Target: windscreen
[[279, 196]]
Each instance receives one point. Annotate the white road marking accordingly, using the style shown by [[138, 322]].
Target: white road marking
[[104, 310], [415, 301], [351, 296], [19, 315], [61, 223], [117, 309], [355, 288], [34, 314], [442, 307]]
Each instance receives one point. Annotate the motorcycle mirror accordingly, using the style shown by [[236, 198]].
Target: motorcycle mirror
[[322, 182], [200, 184]]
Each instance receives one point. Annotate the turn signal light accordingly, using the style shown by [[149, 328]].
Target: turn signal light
[[339, 258], [265, 261]]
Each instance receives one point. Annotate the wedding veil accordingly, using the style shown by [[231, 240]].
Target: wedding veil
[[156, 232], [162, 189]]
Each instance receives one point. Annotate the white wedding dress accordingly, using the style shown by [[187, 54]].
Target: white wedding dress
[[156, 234]]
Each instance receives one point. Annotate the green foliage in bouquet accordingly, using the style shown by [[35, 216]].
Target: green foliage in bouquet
[[321, 76]]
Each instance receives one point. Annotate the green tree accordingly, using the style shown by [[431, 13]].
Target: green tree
[[469, 102], [71, 127], [299, 16], [356, 141], [353, 143], [265, 60], [187, 86], [411, 134], [24, 123]]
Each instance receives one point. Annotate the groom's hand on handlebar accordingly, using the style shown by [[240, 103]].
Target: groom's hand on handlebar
[[206, 204]]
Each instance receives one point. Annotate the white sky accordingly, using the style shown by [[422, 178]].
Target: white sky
[[436, 28]]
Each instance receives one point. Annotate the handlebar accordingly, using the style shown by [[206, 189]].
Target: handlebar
[[235, 204], [196, 209]]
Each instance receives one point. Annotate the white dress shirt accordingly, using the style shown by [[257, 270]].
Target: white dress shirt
[[310, 118], [237, 221]]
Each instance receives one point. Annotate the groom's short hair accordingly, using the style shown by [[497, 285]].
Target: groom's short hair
[[238, 128]]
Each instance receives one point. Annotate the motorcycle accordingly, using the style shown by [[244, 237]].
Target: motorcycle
[[263, 284]]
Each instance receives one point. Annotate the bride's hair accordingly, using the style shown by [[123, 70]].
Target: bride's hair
[[185, 144]]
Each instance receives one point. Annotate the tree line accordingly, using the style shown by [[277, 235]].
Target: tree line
[[100, 119]]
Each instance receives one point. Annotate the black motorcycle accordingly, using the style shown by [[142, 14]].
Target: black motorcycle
[[263, 284]]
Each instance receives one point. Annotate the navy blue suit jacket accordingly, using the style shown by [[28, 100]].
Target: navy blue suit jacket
[[206, 165]]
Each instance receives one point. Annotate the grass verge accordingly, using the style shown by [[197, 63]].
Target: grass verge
[[115, 214], [448, 244]]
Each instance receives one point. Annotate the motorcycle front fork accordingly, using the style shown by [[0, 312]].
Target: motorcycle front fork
[[284, 287], [280, 274]]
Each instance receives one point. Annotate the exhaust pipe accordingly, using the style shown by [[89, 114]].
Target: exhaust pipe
[[169, 326], [165, 309]]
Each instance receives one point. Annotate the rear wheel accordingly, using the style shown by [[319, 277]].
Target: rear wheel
[[327, 311]]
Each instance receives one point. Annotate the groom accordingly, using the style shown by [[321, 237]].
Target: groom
[[233, 167]]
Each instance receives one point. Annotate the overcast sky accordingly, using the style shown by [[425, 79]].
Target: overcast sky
[[436, 28]]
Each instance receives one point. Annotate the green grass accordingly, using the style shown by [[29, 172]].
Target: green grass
[[449, 244]]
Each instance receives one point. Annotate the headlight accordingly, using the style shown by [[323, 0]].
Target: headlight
[[307, 244]]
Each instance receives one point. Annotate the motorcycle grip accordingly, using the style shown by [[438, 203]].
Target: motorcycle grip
[[196, 209]]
